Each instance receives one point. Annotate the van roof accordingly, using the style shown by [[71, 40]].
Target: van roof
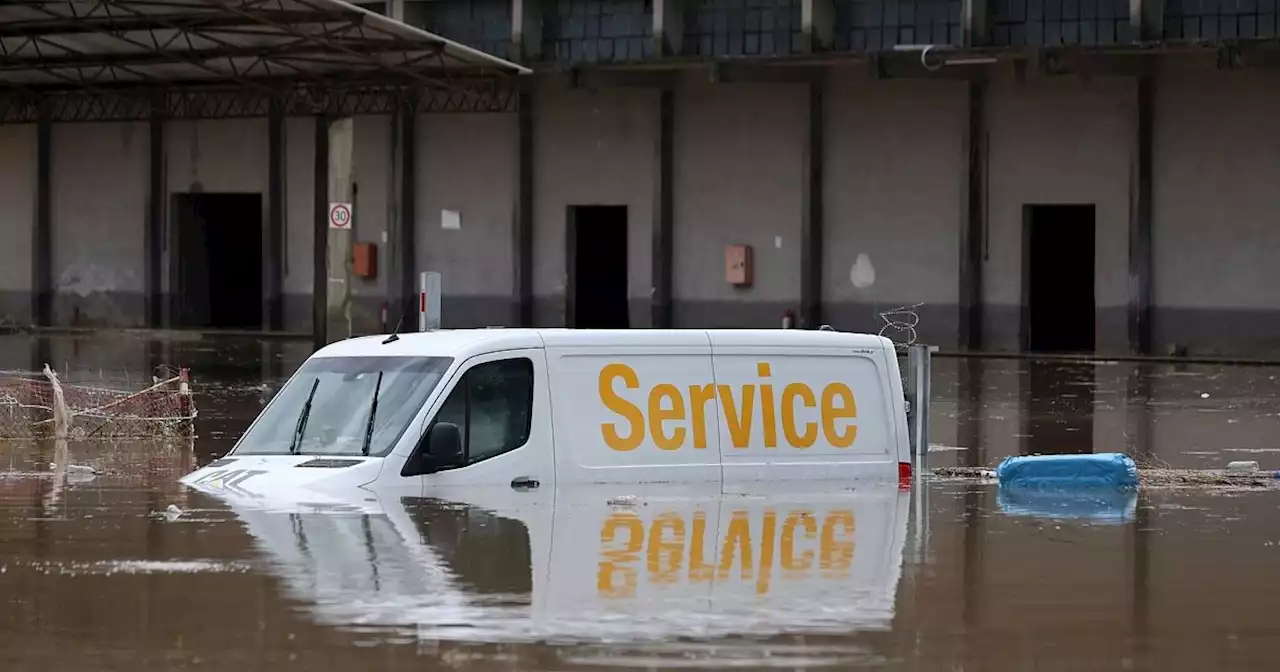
[[460, 343]]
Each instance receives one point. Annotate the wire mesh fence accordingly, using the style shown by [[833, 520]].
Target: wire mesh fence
[[38, 405]]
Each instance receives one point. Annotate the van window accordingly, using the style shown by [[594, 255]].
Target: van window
[[493, 407], [338, 418]]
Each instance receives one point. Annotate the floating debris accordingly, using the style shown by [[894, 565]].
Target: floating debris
[[1152, 477], [109, 567]]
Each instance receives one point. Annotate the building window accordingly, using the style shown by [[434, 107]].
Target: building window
[[482, 24], [715, 28], [592, 31], [880, 25], [1055, 23], [493, 408]]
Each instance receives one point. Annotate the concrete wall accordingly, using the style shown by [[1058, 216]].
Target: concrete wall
[[100, 174], [466, 164], [219, 156], [1059, 140], [373, 162], [1217, 220], [894, 200], [739, 167], [593, 148], [893, 215]]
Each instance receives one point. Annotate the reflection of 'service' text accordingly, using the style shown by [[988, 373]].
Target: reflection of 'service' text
[[676, 548]]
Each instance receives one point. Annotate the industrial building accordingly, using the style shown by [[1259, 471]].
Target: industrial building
[[1077, 175]]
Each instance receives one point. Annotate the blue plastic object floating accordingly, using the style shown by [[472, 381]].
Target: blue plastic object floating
[[1100, 506], [1095, 470]]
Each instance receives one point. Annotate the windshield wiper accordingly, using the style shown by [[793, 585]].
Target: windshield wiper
[[301, 427], [373, 411]]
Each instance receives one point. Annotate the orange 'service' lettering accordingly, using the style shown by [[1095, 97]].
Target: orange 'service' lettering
[[671, 419]]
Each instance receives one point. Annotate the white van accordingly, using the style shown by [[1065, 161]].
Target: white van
[[539, 408]]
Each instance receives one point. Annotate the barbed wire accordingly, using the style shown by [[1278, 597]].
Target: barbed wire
[[903, 319]]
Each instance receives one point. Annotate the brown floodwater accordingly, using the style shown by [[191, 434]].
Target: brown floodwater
[[127, 570]]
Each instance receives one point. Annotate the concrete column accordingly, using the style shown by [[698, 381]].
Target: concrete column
[[341, 182], [42, 233], [1140, 223], [817, 23], [668, 27], [395, 9], [320, 241], [811, 217], [663, 215], [524, 223], [526, 30], [973, 227]]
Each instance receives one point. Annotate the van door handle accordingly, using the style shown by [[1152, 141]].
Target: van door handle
[[524, 483]]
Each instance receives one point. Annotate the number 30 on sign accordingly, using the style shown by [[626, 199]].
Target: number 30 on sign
[[340, 216]]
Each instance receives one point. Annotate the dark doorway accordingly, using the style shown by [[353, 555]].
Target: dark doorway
[[1057, 262], [216, 267], [597, 265]]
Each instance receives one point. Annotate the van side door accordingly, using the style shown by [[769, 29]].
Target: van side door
[[630, 411], [800, 412], [499, 402]]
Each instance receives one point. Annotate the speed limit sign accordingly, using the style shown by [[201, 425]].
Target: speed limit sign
[[340, 216]]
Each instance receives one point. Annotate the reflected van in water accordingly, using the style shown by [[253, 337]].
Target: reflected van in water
[[574, 566]]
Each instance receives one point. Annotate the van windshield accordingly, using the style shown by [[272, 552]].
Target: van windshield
[[337, 421]]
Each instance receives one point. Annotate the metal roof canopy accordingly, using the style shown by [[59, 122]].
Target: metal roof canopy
[[120, 59]]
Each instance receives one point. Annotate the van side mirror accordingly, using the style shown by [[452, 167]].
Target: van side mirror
[[440, 448]]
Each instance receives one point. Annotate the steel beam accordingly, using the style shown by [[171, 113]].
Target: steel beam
[[973, 222], [136, 103], [663, 227], [524, 219], [294, 49], [154, 236], [408, 243], [1140, 224], [320, 233], [188, 21], [273, 280], [811, 218], [42, 236]]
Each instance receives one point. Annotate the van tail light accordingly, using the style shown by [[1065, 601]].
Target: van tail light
[[904, 475]]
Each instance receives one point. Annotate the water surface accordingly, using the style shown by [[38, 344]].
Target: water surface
[[950, 576]]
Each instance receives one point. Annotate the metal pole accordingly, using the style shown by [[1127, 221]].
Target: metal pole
[[919, 378], [428, 301]]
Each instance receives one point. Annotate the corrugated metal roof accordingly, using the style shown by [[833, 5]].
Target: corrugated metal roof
[[90, 43]]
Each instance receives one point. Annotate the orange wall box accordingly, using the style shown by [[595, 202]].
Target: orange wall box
[[365, 260], [737, 265]]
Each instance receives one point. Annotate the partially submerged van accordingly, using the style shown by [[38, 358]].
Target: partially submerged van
[[535, 408]]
